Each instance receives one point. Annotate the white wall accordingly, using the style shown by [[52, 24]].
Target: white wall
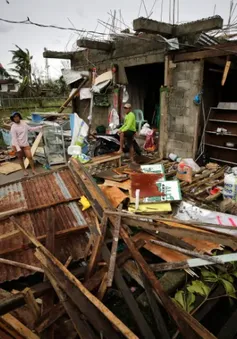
[[4, 88]]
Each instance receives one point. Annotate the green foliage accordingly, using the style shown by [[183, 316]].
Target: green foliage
[[21, 61], [224, 278], [199, 288], [185, 300]]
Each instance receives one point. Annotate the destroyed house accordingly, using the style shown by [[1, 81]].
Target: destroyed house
[[181, 77]]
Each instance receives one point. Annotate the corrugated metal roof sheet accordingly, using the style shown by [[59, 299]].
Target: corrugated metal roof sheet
[[39, 192]]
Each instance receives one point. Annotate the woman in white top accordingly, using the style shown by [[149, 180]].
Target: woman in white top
[[20, 144]]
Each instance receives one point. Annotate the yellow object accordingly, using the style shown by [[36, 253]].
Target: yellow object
[[151, 208], [85, 203]]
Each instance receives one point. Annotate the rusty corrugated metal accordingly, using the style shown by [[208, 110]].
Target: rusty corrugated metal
[[34, 193]]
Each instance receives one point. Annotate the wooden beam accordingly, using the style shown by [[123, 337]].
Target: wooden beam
[[96, 250], [17, 326], [129, 299], [155, 309], [103, 287], [65, 104], [34, 148], [48, 298], [114, 250], [211, 52], [97, 313], [31, 302], [42, 238], [21, 265], [13, 302], [81, 327], [188, 326], [226, 71]]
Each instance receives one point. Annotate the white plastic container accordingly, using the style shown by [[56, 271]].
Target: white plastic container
[[230, 186]]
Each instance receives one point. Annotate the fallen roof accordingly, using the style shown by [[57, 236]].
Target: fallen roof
[[30, 199]]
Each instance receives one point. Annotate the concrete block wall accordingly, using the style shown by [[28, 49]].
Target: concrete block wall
[[183, 114]]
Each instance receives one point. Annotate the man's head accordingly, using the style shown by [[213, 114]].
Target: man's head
[[127, 108], [16, 117]]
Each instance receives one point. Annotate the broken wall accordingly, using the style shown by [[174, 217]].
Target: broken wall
[[183, 114]]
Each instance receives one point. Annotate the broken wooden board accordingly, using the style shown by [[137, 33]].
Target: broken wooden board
[[34, 148], [17, 327], [125, 185], [97, 313], [114, 194], [9, 167], [188, 325]]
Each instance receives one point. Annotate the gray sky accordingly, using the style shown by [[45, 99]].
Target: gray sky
[[84, 15]]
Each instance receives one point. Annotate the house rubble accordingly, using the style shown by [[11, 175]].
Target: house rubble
[[110, 249]]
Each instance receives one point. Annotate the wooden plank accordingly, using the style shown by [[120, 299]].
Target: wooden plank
[[9, 304], [189, 253], [3, 334], [34, 148], [183, 232], [9, 331], [112, 261], [188, 326], [48, 298], [58, 310], [129, 299], [68, 262], [96, 250], [31, 302], [21, 265], [85, 301], [157, 316], [8, 235], [18, 327], [189, 263], [103, 287], [226, 71], [50, 318], [81, 327], [69, 99], [42, 238], [211, 52]]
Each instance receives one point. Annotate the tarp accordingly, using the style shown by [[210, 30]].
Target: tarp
[[189, 212]]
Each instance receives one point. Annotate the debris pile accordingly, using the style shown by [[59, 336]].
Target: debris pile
[[110, 248]]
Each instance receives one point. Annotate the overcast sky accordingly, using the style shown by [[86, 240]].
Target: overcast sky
[[82, 14]]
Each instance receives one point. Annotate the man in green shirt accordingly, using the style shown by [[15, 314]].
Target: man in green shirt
[[128, 130]]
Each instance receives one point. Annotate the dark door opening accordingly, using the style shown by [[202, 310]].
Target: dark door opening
[[144, 84]]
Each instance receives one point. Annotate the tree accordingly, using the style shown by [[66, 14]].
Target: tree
[[21, 59]]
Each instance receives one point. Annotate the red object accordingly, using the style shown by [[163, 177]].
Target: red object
[[150, 143], [214, 191], [146, 183]]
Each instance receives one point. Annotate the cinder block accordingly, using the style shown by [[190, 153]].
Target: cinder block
[[184, 84], [184, 138]]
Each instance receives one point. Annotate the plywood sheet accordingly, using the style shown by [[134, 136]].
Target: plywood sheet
[[9, 167], [114, 194]]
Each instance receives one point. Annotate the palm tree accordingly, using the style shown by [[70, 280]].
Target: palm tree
[[21, 59]]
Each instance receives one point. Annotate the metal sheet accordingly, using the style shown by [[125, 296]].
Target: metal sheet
[[36, 192]]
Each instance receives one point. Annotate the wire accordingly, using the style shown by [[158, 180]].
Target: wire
[[29, 22]]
